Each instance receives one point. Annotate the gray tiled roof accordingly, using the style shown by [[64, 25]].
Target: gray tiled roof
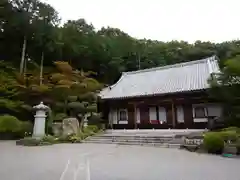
[[175, 78]]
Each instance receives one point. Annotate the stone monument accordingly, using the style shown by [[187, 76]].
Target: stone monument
[[70, 126], [40, 119]]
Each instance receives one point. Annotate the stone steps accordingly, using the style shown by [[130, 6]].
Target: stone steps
[[135, 143], [160, 138], [132, 138], [136, 140]]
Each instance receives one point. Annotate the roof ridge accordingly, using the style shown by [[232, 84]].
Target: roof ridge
[[112, 86], [172, 65]]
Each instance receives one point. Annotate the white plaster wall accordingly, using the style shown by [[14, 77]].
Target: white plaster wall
[[138, 116], [180, 114], [162, 114], [152, 113], [112, 116], [115, 121]]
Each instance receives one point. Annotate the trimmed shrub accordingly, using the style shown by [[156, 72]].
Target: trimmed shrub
[[236, 129], [238, 146], [59, 116], [214, 142], [90, 130], [72, 98], [9, 124], [229, 136], [26, 128]]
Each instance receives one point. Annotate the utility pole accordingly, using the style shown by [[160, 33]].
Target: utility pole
[[139, 61], [45, 23], [23, 55], [22, 63], [41, 68]]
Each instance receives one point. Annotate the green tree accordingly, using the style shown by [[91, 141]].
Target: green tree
[[75, 91], [108, 51], [8, 90], [226, 88]]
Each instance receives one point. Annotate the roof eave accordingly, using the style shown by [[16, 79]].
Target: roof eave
[[153, 95]]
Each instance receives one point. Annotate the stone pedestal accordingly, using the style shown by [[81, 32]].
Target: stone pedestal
[[40, 119]]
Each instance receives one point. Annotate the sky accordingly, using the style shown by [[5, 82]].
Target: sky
[[163, 20]]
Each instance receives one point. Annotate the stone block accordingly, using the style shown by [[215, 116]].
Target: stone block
[[57, 129], [230, 150], [70, 126]]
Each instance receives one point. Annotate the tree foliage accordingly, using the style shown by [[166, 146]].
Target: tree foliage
[[226, 88], [66, 90], [69, 85], [108, 51]]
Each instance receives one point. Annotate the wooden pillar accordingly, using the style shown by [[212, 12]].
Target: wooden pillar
[[173, 115], [111, 118], [135, 116], [134, 105]]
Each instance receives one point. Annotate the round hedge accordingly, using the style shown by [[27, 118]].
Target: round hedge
[[214, 142], [9, 123]]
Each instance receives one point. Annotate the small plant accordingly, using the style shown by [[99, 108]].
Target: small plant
[[88, 132], [49, 139], [26, 129], [75, 139], [64, 138], [92, 128], [214, 142]]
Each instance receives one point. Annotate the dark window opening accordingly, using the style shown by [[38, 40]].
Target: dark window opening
[[199, 112], [122, 115]]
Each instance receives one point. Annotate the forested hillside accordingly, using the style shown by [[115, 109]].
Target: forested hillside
[[108, 51], [42, 59]]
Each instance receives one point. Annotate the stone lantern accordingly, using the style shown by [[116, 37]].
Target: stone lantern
[[85, 120], [40, 119]]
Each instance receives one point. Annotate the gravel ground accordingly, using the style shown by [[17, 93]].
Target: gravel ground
[[111, 162]]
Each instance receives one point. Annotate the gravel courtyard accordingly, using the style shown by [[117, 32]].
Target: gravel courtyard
[[111, 162]]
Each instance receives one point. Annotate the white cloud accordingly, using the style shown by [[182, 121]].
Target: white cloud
[[164, 20]]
